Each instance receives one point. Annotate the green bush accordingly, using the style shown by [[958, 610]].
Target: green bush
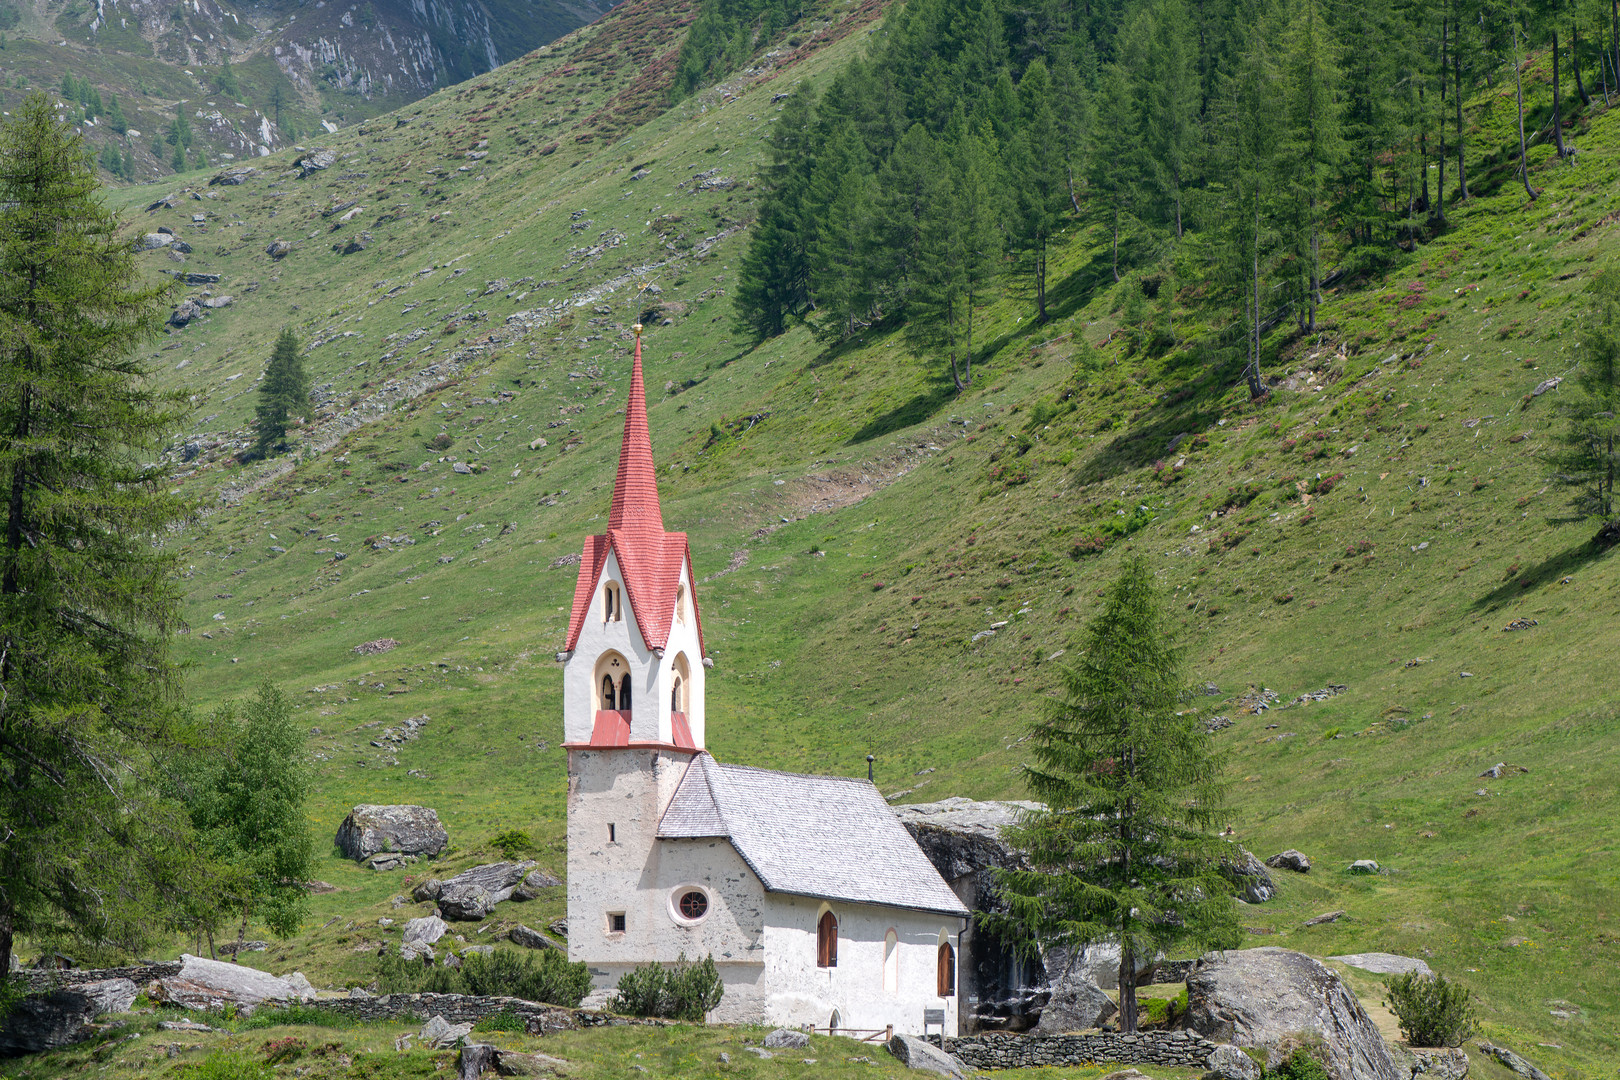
[[1432, 1011], [545, 977], [505, 1020], [1299, 1066], [686, 991], [513, 843]]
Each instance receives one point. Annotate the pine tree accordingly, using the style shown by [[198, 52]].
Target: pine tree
[[1161, 55], [180, 131], [177, 161], [773, 283], [1115, 156], [841, 199], [115, 115], [87, 595], [1124, 850], [1589, 457], [283, 394], [1312, 147], [959, 255], [226, 80], [1040, 181]]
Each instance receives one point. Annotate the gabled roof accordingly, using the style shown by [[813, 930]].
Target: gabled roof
[[649, 558], [828, 837]]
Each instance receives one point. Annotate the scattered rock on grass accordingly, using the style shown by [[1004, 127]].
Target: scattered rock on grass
[[786, 1039], [1513, 1061], [407, 830], [1364, 866], [440, 1033], [1290, 860], [1381, 963], [1329, 917], [381, 645], [914, 1053]]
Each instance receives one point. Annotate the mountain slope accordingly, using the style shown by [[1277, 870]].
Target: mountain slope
[[859, 529]]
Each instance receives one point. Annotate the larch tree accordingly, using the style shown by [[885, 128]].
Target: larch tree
[[1125, 848], [1312, 147], [1587, 459], [1040, 175], [89, 722], [283, 395]]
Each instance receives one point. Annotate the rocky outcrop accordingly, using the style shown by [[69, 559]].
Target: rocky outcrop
[[1272, 998], [1227, 1062], [1296, 861], [914, 1053], [473, 894], [1076, 1004], [1099, 963], [315, 161], [1383, 963], [530, 939], [236, 174], [212, 984], [1249, 874], [407, 830], [419, 936], [47, 1021]]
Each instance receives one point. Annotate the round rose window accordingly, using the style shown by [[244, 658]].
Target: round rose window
[[693, 905]]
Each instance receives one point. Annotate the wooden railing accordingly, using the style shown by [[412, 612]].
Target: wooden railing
[[861, 1034]]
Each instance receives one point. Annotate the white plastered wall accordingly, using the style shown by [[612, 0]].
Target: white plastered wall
[[798, 992], [650, 675]]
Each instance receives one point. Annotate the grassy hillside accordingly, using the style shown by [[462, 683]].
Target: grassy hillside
[[1376, 523]]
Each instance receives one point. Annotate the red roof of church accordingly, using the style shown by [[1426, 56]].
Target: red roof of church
[[649, 558]]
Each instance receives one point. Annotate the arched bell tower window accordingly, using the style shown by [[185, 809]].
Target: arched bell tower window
[[680, 604], [680, 678], [613, 682], [612, 602]]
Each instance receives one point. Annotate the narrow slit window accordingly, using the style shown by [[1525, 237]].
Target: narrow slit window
[[613, 832]]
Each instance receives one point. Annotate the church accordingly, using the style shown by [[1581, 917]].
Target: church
[[818, 907]]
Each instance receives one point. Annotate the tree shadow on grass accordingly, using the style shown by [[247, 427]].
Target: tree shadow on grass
[[1560, 566], [940, 393], [1146, 438]]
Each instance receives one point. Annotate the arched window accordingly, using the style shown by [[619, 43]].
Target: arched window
[[675, 695], [613, 682], [608, 695], [612, 603], [947, 970], [827, 940], [680, 604], [891, 962], [680, 678], [624, 694]]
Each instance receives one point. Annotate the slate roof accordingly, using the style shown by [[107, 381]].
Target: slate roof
[[829, 837], [650, 558]]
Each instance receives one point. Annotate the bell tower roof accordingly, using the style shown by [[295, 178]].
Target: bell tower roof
[[650, 559]]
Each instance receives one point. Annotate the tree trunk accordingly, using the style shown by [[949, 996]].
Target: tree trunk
[[1073, 201], [1127, 988], [7, 942], [1255, 388], [1575, 62], [1457, 94], [1116, 241], [1518, 86], [213, 954], [241, 937], [1614, 41], [1440, 184], [1558, 111]]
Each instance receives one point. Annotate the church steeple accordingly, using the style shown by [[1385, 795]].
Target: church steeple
[[633, 661], [635, 492]]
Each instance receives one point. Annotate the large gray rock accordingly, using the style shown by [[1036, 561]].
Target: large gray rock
[[1439, 1064], [1077, 1003], [531, 939], [473, 894], [1513, 1061], [440, 1033], [419, 936], [152, 240], [1227, 1062], [1296, 861], [914, 1053], [47, 1022], [408, 830], [1099, 963], [316, 160], [1270, 998], [533, 884], [785, 1039], [1383, 963], [213, 984], [1249, 874], [236, 174], [110, 995]]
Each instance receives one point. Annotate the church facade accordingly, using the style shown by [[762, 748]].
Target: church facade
[[815, 902]]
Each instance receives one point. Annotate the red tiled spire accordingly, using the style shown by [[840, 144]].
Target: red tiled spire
[[635, 493]]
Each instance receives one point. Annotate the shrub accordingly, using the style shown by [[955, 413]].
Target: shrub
[[442, 441], [513, 843], [545, 977], [505, 1020], [1300, 1065], [686, 991], [1432, 1011]]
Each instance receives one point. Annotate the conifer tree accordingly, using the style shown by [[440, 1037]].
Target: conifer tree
[[283, 394], [1124, 850], [226, 80], [88, 690], [773, 283], [1115, 161], [959, 256], [1588, 458], [1312, 147], [841, 196], [1040, 180], [1161, 55], [115, 115]]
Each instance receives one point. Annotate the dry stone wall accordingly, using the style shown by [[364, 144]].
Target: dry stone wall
[[38, 982], [1000, 1050], [468, 1009]]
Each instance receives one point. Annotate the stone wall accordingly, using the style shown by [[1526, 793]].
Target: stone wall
[[467, 1009], [999, 1050], [36, 982]]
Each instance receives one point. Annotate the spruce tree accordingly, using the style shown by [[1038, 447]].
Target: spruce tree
[[88, 717], [1312, 147], [115, 115], [283, 394], [959, 255], [226, 80], [1040, 176], [1588, 458], [773, 283], [1125, 849]]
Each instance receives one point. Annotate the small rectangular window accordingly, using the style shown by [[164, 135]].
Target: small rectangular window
[[613, 832], [615, 922]]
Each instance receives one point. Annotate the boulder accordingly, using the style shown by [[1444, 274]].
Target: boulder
[[213, 984], [514, 1063], [1364, 866], [388, 860], [406, 830], [184, 312], [473, 894], [236, 174], [440, 1033], [533, 883], [531, 939], [427, 890], [316, 160], [559, 927], [47, 1021], [425, 931], [787, 1039], [1227, 1062], [301, 986], [1440, 1064], [1077, 1003], [1290, 860], [1513, 1061], [1272, 998], [1099, 963], [1249, 874], [914, 1053], [1325, 917], [279, 249], [1383, 963], [110, 995], [154, 240], [474, 1059]]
